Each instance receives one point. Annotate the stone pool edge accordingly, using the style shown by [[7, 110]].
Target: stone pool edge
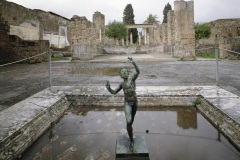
[[18, 130]]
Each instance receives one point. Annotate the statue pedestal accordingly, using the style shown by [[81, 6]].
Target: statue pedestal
[[138, 152]]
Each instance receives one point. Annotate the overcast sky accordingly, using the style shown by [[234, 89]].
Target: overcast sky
[[205, 10]]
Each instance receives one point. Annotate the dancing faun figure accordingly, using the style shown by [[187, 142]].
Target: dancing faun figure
[[130, 98]]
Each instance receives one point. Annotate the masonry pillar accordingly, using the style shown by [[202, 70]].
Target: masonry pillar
[[122, 42], [148, 39], [51, 39], [139, 38], [145, 36], [59, 34], [66, 35], [131, 38], [127, 42]]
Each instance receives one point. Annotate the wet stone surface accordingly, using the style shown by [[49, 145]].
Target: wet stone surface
[[90, 133]]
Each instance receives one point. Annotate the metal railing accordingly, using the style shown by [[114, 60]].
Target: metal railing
[[49, 68], [22, 59], [217, 49]]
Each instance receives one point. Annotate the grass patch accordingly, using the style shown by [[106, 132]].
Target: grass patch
[[210, 56], [57, 58], [198, 101]]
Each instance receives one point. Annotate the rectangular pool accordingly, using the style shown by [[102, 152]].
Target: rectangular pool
[[89, 133]]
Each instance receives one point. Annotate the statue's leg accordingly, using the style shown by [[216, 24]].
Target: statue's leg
[[128, 115], [134, 110]]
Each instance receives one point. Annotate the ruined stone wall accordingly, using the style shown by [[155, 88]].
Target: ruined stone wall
[[99, 25], [224, 33], [5, 47], [80, 29], [179, 31], [13, 48], [164, 34], [157, 33], [184, 25], [171, 27], [22, 20], [85, 33]]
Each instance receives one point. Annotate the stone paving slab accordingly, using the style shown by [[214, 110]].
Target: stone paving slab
[[24, 122], [224, 100]]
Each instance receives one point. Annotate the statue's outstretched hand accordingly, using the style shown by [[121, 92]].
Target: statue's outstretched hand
[[107, 84], [130, 59]]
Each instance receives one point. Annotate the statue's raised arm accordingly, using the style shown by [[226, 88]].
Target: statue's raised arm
[[115, 91], [137, 71]]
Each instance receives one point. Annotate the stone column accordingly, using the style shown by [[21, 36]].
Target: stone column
[[51, 39], [145, 36], [122, 42], [148, 39], [127, 38], [59, 36], [66, 35], [131, 38], [139, 38]]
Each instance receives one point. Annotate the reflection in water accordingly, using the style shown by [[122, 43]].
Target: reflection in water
[[187, 118], [170, 133], [51, 135]]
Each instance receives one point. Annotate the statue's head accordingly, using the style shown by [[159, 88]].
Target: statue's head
[[124, 73]]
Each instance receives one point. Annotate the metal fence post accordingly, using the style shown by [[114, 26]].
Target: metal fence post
[[217, 66], [50, 69]]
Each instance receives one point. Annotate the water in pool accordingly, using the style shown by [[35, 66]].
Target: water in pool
[[176, 133]]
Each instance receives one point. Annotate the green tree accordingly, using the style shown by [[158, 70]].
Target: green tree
[[128, 18], [152, 19], [116, 30], [167, 8], [202, 31]]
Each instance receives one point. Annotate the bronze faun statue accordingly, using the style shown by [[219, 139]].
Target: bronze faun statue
[[130, 98]]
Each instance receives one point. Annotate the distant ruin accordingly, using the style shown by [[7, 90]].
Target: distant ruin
[[26, 32], [225, 33], [177, 35]]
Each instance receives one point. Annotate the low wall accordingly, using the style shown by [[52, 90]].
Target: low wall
[[143, 49], [85, 51], [26, 121]]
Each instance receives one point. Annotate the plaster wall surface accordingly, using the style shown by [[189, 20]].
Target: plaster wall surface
[[25, 32], [25, 18]]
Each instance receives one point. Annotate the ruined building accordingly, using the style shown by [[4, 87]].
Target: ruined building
[[178, 34], [13, 48], [29, 32], [179, 31], [225, 34], [87, 39]]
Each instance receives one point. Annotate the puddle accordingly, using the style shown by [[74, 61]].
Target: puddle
[[170, 133], [97, 71], [150, 76]]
